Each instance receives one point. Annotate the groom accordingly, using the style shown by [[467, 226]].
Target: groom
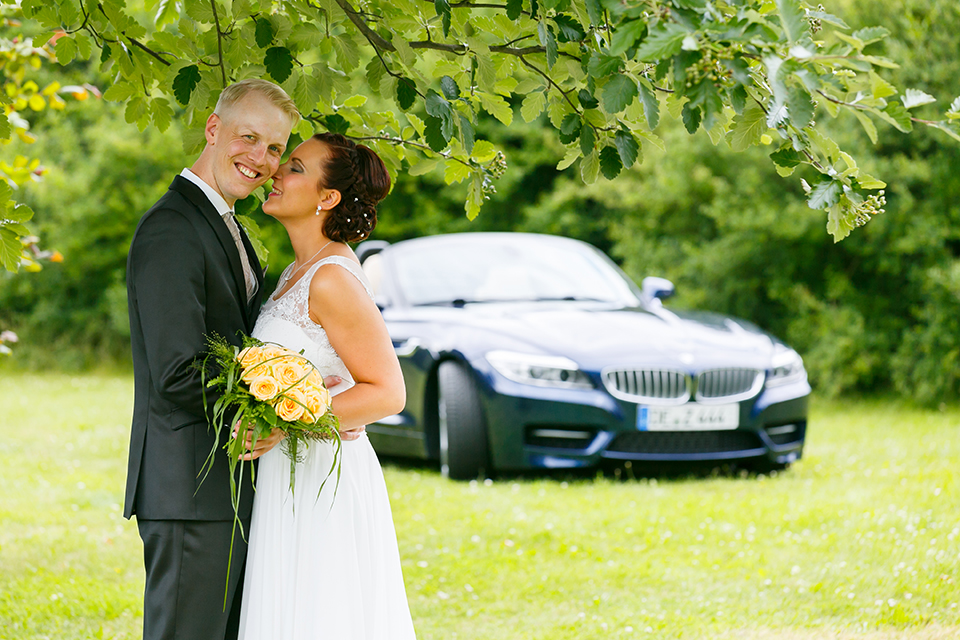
[[192, 272]]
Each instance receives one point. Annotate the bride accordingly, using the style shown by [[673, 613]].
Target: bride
[[321, 565]]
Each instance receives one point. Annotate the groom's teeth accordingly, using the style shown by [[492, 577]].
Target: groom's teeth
[[247, 172]]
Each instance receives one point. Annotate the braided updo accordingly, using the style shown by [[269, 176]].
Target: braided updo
[[362, 180]]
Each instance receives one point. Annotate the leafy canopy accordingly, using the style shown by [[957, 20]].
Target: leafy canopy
[[748, 72]]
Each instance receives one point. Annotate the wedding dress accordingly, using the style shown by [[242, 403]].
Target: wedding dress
[[327, 567]]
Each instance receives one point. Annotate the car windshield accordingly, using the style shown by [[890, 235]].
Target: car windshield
[[507, 269]]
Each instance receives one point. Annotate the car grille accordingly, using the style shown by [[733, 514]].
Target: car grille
[[552, 437], [679, 442], [728, 384], [647, 385]]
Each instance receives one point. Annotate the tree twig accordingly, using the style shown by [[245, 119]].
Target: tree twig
[[216, 22]]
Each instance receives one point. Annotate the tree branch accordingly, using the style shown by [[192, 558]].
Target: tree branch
[[550, 80], [216, 22], [372, 36]]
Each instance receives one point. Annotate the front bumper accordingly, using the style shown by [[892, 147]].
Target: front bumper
[[530, 428]]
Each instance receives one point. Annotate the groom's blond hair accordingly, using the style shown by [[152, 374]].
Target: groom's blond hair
[[277, 96]]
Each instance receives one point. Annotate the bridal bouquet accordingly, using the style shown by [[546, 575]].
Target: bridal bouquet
[[266, 386]]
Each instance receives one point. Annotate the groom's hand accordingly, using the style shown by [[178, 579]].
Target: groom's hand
[[262, 445]]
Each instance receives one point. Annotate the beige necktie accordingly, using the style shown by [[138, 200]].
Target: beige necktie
[[249, 278]]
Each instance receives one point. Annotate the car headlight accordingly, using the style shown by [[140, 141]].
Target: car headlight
[[542, 371], [787, 367]]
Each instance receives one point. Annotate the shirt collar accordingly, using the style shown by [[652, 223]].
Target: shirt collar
[[215, 198]]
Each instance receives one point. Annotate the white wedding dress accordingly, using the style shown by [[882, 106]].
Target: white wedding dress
[[321, 568]]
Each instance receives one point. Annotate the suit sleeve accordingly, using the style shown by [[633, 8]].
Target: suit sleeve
[[168, 272]]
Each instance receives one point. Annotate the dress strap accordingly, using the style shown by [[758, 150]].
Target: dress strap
[[347, 264]]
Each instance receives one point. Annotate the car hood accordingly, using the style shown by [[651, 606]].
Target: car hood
[[600, 335]]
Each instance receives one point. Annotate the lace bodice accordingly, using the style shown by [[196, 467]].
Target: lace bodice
[[286, 321]]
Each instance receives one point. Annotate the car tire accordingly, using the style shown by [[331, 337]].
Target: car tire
[[463, 432]]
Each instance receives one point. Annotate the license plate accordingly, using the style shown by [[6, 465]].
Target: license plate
[[689, 417]]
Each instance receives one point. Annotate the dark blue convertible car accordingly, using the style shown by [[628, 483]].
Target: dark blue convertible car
[[529, 351]]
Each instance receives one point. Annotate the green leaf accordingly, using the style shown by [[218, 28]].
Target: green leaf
[[627, 147], [484, 151], [914, 98], [840, 222], [626, 35], [587, 140], [406, 93], [514, 9], [66, 50], [186, 81], [433, 134], [474, 197], [590, 167], [253, 231], [336, 123], [5, 129], [898, 117], [691, 118], [466, 133], [651, 106], [748, 127], [799, 106], [436, 105], [618, 93], [610, 165], [870, 34], [10, 249], [867, 125], [264, 33], [787, 156], [664, 42], [455, 171], [824, 194], [533, 106], [587, 101], [121, 91], [443, 10], [162, 114], [279, 63], [423, 167], [548, 42], [496, 106], [568, 28], [595, 11], [792, 19], [449, 87], [347, 52]]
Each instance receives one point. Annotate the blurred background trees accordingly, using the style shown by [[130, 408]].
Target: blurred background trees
[[876, 313]]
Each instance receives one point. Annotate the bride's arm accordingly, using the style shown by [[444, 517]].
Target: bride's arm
[[353, 323]]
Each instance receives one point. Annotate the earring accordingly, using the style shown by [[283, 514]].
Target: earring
[[319, 209]]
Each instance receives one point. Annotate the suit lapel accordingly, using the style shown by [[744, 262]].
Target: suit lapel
[[193, 193]]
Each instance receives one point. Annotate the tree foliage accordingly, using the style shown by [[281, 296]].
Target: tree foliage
[[603, 71]]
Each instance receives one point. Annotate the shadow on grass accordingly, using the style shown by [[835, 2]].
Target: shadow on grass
[[624, 471]]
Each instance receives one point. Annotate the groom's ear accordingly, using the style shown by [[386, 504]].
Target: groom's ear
[[213, 125]]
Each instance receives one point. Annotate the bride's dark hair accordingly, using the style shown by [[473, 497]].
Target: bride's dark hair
[[362, 180]]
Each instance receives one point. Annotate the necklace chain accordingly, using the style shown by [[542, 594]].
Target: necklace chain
[[297, 270]]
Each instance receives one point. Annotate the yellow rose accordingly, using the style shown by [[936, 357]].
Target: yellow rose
[[254, 371], [290, 406], [250, 356], [264, 388], [270, 353], [288, 371], [317, 401], [314, 379]]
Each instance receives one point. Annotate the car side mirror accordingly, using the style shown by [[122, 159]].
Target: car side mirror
[[657, 288]]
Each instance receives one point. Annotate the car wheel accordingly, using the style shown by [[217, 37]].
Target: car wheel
[[463, 432]]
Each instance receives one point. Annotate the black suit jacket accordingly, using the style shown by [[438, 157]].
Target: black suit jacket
[[184, 282]]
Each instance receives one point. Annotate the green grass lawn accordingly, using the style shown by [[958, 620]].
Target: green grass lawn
[[857, 540]]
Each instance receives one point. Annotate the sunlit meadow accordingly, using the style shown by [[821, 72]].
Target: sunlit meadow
[[858, 540]]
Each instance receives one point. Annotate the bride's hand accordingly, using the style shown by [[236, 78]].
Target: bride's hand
[[352, 434], [263, 444]]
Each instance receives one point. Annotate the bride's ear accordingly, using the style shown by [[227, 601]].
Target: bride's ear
[[329, 198]]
